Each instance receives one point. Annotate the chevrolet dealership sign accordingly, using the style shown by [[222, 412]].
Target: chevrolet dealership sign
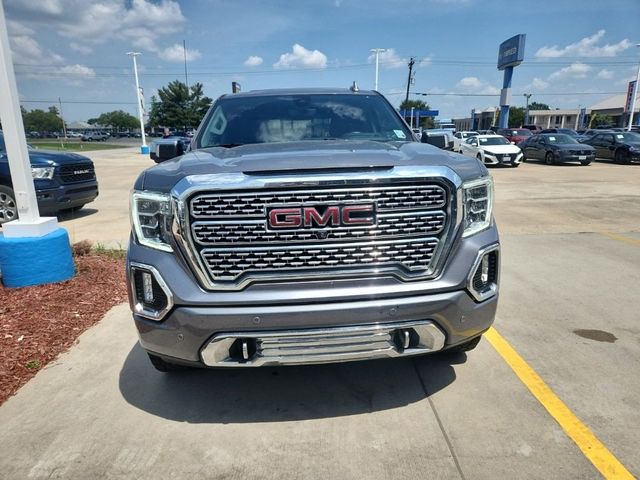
[[511, 52]]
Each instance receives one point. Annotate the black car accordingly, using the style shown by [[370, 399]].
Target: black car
[[565, 131], [621, 147], [63, 181], [557, 148]]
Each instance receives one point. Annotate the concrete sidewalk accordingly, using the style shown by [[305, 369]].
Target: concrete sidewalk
[[101, 411]]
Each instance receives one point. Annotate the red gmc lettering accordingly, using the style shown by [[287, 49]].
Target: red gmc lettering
[[285, 218], [311, 215], [347, 219]]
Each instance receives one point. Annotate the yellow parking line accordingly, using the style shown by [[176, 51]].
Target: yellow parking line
[[592, 448], [622, 238]]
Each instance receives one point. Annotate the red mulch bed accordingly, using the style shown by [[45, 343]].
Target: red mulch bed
[[38, 323]]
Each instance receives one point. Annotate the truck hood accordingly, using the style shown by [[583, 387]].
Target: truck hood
[[305, 157], [48, 158]]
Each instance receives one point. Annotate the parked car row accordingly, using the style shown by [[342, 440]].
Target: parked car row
[[551, 146]]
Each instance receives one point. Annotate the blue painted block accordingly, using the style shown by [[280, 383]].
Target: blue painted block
[[36, 260], [144, 150]]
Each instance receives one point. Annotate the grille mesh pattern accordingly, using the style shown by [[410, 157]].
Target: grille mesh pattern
[[254, 204], [388, 226], [79, 172], [229, 232], [228, 264]]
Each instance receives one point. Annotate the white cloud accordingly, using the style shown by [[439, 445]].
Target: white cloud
[[139, 22], [575, 70], [586, 47], [253, 61], [176, 53], [424, 62], [475, 85], [389, 59], [301, 57], [17, 28], [78, 71], [605, 74], [83, 49]]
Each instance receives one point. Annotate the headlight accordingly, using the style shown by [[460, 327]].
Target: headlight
[[477, 198], [42, 173], [151, 219]]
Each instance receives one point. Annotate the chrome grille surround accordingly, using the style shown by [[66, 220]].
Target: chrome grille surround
[[199, 251]]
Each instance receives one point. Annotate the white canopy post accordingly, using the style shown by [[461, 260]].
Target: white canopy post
[[29, 223]]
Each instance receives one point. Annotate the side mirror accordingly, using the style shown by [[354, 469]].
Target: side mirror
[[166, 149]]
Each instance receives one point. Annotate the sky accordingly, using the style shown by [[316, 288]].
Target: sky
[[577, 53]]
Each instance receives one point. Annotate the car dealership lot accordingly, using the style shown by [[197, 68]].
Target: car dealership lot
[[570, 265]]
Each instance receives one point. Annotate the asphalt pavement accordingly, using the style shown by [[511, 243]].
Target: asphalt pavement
[[570, 265]]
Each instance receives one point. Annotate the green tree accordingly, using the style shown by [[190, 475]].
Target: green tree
[[40, 121], [599, 120], [119, 120], [516, 117], [539, 106], [425, 122], [179, 106]]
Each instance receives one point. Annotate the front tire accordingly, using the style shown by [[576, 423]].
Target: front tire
[[466, 346], [8, 206], [163, 366], [585, 163], [621, 157], [548, 159]]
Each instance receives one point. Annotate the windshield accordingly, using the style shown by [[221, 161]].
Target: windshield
[[628, 137], [521, 132], [289, 118], [561, 138], [493, 141]]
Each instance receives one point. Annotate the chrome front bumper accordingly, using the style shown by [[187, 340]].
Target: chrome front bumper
[[337, 344]]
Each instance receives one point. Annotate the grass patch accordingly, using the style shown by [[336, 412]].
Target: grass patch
[[74, 146], [114, 253], [33, 364]]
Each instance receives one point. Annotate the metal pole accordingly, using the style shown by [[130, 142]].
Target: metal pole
[[64, 127], [133, 55], [377, 51], [411, 63], [635, 94], [505, 97], [13, 128], [412, 117], [186, 78], [526, 111]]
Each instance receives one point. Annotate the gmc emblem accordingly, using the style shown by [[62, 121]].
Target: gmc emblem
[[322, 216]]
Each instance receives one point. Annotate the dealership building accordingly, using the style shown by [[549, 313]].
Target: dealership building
[[560, 118]]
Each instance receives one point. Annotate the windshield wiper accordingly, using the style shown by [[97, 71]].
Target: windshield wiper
[[227, 145]]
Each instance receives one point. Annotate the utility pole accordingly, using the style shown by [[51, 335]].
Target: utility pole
[[411, 64], [184, 51], [143, 148], [526, 110], [377, 51], [64, 127], [635, 94]]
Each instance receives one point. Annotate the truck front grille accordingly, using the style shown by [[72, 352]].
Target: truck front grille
[[78, 172], [234, 243]]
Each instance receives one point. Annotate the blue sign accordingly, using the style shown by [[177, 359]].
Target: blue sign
[[421, 113], [511, 52]]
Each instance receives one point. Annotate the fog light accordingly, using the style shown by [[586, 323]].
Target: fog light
[[484, 277], [147, 287]]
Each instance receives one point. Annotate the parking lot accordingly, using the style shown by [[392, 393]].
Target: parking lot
[[570, 270]]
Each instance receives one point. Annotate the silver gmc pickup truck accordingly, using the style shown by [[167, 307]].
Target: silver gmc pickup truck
[[309, 226]]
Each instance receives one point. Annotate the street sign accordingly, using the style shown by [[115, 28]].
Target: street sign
[[422, 113], [630, 90], [511, 52]]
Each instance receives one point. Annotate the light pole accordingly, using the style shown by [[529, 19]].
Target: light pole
[[377, 51], [635, 94], [526, 110], [143, 148]]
